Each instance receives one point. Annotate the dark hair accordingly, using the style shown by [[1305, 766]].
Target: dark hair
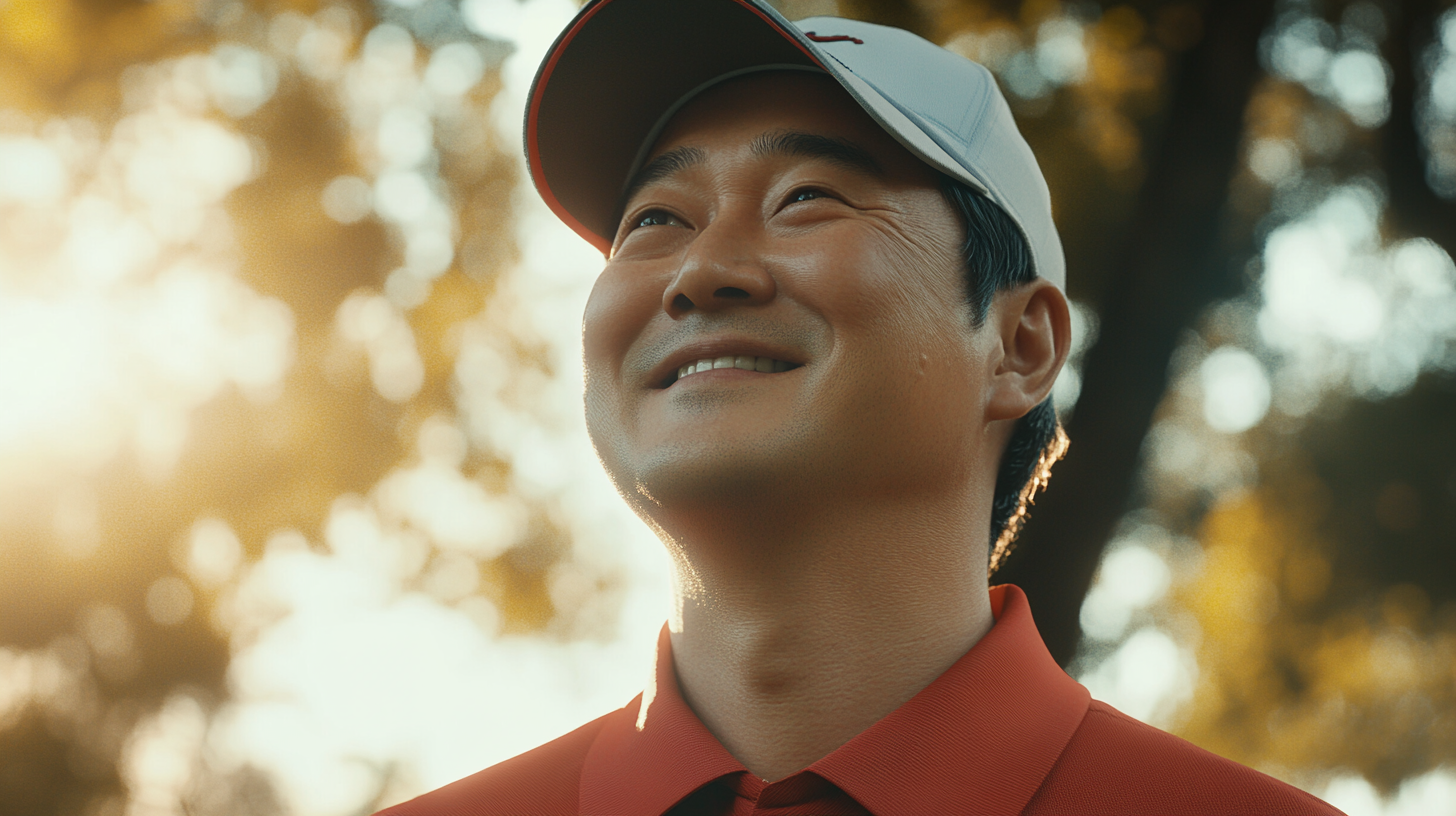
[[997, 258]]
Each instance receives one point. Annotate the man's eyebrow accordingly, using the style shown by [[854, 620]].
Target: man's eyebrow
[[842, 152], [673, 161]]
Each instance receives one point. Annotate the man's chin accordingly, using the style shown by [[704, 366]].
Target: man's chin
[[701, 474]]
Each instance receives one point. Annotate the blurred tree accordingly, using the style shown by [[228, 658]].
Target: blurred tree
[[1170, 265], [1410, 49], [1327, 597], [87, 613]]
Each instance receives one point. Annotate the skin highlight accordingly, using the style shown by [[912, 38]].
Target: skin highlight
[[826, 524]]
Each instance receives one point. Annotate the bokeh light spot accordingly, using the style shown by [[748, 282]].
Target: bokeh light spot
[[213, 552], [347, 199], [30, 171], [1235, 390], [454, 69]]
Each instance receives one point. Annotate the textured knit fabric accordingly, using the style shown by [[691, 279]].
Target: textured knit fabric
[[1003, 731]]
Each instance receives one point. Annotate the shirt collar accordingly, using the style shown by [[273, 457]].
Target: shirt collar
[[653, 752], [980, 738]]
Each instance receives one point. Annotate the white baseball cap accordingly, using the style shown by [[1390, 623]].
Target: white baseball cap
[[622, 68]]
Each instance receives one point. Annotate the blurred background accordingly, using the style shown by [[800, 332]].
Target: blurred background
[[297, 510]]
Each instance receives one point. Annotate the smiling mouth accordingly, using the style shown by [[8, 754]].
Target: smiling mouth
[[763, 365]]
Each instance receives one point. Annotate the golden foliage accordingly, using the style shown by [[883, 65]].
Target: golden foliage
[[1292, 678]]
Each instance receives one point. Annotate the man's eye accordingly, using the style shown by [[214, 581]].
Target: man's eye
[[806, 194], [656, 218]]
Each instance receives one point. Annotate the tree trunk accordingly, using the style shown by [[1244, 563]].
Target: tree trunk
[[1415, 209], [1172, 267]]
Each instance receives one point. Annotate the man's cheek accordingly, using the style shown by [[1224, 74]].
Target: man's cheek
[[604, 427]]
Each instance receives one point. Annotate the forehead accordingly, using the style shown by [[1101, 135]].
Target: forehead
[[732, 115]]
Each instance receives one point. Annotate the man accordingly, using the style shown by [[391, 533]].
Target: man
[[818, 363]]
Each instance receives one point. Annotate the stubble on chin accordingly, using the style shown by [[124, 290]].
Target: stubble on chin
[[674, 481]]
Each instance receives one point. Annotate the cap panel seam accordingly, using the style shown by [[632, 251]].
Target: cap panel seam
[[977, 114], [940, 136], [914, 116]]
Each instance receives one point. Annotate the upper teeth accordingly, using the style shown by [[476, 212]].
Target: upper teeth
[[767, 365]]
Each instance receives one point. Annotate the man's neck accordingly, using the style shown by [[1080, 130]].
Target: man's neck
[[787, 646]]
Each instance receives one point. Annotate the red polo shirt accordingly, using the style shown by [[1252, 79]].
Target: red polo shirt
[[1003, 731]]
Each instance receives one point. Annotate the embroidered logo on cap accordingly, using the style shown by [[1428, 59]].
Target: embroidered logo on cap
[[833, 38]]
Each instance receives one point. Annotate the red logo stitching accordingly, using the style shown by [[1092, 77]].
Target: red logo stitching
[[835, 38]]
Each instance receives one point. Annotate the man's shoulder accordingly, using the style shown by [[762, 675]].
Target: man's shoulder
[[1116, 764], [543, 780]]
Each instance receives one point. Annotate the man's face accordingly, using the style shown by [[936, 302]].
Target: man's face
[[779, 230]]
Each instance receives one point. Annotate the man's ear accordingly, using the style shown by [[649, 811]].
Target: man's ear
[[1034, 329]]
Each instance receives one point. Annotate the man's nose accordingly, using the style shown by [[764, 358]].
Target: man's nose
[[721, 269]]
